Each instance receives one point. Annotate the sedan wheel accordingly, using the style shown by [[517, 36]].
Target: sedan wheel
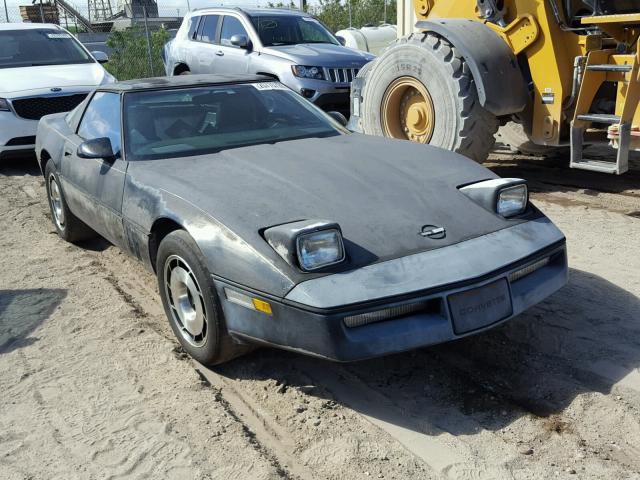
[[186, 301]]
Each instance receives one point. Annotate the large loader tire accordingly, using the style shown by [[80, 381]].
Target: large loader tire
[[421, 89], [513, 136]]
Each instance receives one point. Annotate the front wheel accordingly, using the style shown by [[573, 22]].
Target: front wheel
[[421, 89], [190, 302]]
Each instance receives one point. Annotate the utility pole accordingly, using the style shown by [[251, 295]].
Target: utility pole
[[350, 23], [6, 12]]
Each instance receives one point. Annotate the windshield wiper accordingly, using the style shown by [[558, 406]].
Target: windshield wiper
[[280, 44]]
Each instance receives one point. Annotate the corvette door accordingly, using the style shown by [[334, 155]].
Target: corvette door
[[94, 186]]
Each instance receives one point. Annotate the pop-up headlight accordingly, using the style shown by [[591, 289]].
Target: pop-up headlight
[[505, 196], [308, 244]]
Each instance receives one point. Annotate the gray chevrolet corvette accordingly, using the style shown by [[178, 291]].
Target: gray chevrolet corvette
[[266, 222]]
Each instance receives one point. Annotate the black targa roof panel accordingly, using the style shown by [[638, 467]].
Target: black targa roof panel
[[181, 81]]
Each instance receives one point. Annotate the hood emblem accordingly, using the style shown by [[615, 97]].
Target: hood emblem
[[433, 231], [55, 89]]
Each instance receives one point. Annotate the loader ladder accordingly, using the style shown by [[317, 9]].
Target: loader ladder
[[623, 127]]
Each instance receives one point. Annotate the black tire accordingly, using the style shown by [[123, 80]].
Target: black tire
[[68, 226], [212, 345], [513, 136], [461, 123]]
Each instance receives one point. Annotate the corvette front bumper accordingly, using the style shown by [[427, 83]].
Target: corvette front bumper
[[375, 312]]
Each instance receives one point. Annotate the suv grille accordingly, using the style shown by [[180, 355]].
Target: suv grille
[[36, 107], [342, 75]]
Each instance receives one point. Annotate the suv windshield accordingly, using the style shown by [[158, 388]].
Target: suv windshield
[[196, 121], [277, 30], [36, 47]]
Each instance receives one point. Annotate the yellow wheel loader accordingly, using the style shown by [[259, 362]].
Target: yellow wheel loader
[[549, 73]]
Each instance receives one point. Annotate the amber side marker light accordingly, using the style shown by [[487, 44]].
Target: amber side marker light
[[248, 302]]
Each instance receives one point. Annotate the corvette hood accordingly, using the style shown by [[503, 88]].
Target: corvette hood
[[321, 55], [380, 191], [18, 82]]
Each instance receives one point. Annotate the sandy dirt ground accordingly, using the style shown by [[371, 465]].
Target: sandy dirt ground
[[94, 386]]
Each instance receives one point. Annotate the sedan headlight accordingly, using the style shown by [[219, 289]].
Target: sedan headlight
[[512, 200], [4, 105], [320, 249], [303, 71]]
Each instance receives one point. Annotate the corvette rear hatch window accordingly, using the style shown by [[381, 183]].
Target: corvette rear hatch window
[[197, 121]]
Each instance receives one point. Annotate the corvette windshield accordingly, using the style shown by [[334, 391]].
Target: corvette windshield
[[38, 47], [275, 30], [196, 121]]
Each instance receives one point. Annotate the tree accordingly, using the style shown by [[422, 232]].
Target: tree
[[130, 54], [335, 13]]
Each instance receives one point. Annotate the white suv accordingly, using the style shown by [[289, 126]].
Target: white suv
[[287, 45], [43, 70]]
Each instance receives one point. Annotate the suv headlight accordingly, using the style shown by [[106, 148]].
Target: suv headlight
[[4, 105], [320, 249], [303, 71], [512, 200]]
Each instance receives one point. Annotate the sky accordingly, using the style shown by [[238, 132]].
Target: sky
[[165, 7]]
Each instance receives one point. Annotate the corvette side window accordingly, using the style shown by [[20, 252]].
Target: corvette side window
[[102, 119]]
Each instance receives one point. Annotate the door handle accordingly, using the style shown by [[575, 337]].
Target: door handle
[[220, 53]]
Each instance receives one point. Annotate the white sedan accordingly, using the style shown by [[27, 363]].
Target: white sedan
[[43, 70]]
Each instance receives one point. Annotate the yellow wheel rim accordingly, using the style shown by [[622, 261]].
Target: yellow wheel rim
[[407, 111]]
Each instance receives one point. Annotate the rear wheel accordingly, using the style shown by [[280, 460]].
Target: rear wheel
[[190, 302], [68, 226], [422, 90]]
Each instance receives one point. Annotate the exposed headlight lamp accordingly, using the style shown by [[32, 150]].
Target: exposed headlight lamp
[[320, 249], [512, 200]]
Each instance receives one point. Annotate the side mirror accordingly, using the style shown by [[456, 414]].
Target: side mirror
[[338, 117], [240, 41], [96, 148], [100, 57], [342, 40]]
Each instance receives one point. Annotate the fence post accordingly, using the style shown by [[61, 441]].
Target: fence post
[[41, 13], [146, 32], [6, 11]]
